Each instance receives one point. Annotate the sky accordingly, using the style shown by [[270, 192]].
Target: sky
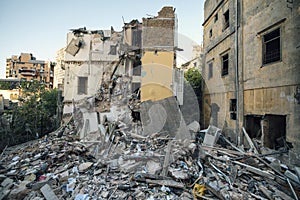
[[40, 27]]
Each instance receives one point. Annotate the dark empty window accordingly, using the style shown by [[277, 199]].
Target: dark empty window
[[136, 37], [225, 64], [113, 50], [233, 109], [210, 70], [232, 105], [226, 19], [137, 69], [82, 85], [271, 47], [216, 17], [210, 33]]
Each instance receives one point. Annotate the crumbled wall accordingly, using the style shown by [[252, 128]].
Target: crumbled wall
[[159, 31]]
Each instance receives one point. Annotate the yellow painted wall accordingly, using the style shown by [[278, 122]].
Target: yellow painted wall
[[157, 70]]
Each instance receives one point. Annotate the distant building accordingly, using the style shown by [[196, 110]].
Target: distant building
[[59, 70], [9, 91], [196, 61], [252, 72], [26, 68]]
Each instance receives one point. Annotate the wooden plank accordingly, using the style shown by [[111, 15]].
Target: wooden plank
[[292, 189], [250, 141], [256, 170], [167, 159], [265, 191], [168, 183]]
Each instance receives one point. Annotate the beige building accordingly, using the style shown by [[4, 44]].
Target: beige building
[[252, 70], [25, 67]]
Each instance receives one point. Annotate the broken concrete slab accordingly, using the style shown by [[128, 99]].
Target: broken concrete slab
[[90, 125], [20, 191], [297, 170], [48, 193], [84, 166], [163, 116], [211, 136], [292, 176], [153, 167], [194, 126], [7, 182], [179, 174]]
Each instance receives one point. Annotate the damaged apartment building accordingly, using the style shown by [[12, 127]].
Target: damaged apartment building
[[161, 81], [106, 67], [251, 71], [90, 57]]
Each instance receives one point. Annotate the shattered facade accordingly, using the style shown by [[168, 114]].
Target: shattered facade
[[159, 39], [25, 67], [132, 45], [59, 70], [89, 54], [251, 70]]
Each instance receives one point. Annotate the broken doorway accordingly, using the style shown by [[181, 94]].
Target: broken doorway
[[271, 129]]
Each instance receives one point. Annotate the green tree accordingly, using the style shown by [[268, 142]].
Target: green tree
[[192, 83], [4, 85], [193, 77], [35, 115]]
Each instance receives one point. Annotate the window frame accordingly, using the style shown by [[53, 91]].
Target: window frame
[[226, 23], [79, 83], [264, 49], [225, 60], [113, 50], [216, 17], [233, 109], [210, 70]]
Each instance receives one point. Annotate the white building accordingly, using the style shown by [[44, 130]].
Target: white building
[[59, 70], [88, 56]]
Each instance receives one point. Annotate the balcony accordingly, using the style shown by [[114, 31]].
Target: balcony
[[27, 72]]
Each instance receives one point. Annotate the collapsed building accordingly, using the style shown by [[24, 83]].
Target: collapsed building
[[122, 142], [108, 69]]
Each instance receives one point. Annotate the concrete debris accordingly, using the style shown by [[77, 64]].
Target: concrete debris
[[194, 126], [48, 193], [113, 147], [65, 168], [211, 136]]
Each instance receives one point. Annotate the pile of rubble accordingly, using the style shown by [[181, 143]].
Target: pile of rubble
[[131, 166], [104, 152]]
